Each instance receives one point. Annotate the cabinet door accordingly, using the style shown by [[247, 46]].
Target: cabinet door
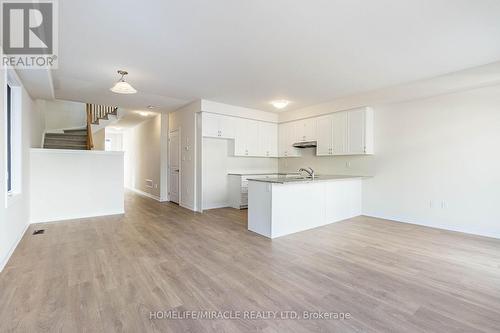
[[210, 125], [240, 138], [273, 140], [324, 135], [226, 127], [252, 138], [268, 137], [282, 140], [339, 133], [292, 137], [299, 131], [287, 137], [356, 131], [310, 130]]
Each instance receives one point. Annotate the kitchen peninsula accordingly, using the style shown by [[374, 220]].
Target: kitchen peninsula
[[281, 205]]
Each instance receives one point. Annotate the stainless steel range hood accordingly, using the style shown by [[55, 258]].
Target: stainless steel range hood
[[305, 144]]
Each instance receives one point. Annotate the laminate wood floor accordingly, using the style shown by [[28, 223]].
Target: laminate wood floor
[[108, 274]]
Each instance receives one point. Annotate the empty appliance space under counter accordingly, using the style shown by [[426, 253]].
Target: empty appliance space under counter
[[281, 206]]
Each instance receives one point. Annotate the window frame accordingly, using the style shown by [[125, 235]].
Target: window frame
[[9, 137], [13, 138]]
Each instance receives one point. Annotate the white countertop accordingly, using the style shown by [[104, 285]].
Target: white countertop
[[284, 179]]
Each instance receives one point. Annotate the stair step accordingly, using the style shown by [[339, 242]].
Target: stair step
[[65, 147], [83, 130], [65, 143], [76, 133], [66, 139], [64, 135], [68, 133]]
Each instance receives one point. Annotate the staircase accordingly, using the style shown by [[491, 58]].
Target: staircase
[[98, 117], [68, 139]]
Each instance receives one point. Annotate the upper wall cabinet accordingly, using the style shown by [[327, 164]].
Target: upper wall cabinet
[[268, 139], [252, 138], [306, 129], [360, 131], [332, 134], [340, 133], [345, 133], [218, 126], [288, 135], [246, 141]]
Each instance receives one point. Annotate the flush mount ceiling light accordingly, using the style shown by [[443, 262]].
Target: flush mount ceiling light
[[280, 104], [122, 87]]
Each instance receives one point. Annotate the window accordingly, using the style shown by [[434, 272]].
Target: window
[[13, 137], [9, 139]]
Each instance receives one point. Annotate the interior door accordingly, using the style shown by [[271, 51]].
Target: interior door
[[174, 166]]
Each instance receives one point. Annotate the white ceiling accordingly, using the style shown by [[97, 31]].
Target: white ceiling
[[250, 52]]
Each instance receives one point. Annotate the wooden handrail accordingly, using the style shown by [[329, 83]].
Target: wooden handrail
[[94, 113], [90, 140]]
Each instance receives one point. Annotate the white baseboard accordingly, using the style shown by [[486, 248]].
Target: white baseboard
[[145, 194], [63, 218], [435, 226], [12, 249], [187, 206], [217, 205]]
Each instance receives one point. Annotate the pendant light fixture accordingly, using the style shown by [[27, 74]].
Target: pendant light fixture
[[122, 87]]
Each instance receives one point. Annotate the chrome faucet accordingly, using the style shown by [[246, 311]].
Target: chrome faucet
[[308, 170]]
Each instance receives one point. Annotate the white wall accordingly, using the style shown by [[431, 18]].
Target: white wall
[[98, 138], [14, 213], [436, 162], [71, 184], [218, 162], [143, 156], [60, 114]]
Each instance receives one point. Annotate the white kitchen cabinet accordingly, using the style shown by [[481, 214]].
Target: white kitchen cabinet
[[246, 140], [287, 136], [324, 139], [360, 131], [268, 139], [305, 129], [339, 133], [218, 126], [345, 133], [331, 134]]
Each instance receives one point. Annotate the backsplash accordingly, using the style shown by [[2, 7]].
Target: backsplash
[[363, 165]]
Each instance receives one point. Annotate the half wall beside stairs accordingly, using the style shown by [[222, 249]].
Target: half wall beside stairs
[[71, 184]]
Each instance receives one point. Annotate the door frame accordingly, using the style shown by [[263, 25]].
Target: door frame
[[169, 167]]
